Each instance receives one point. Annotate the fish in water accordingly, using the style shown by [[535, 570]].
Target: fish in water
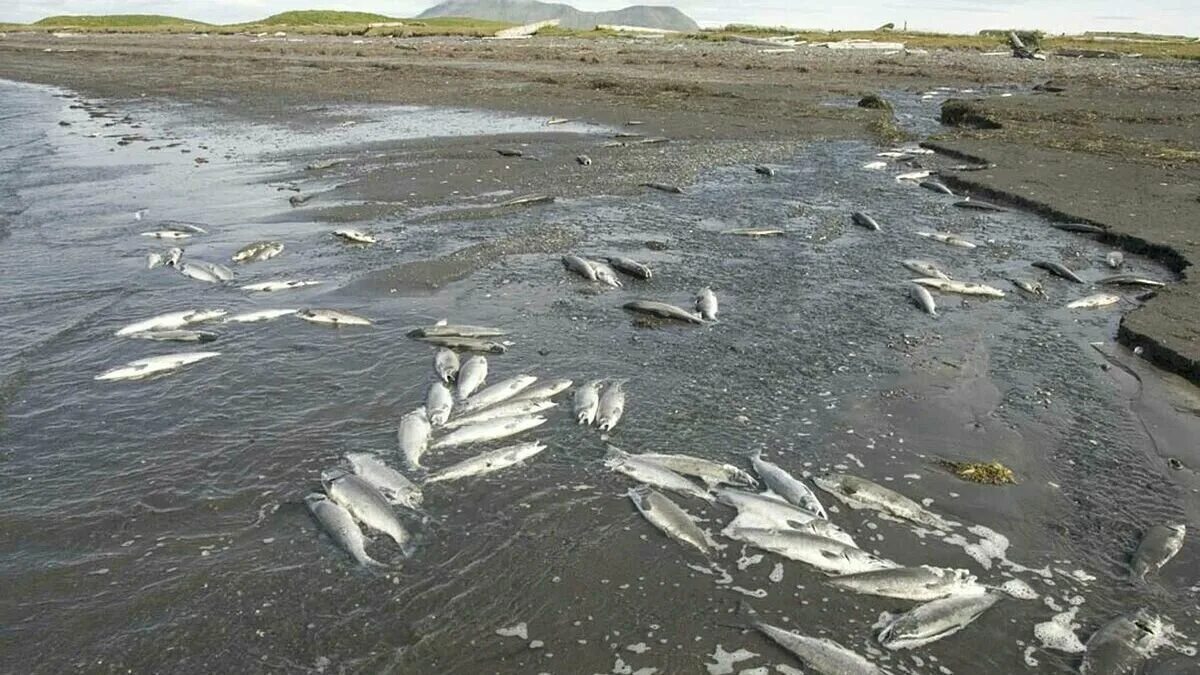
[[182, 226], [960, 287], [514, 408], [860, 493], [662, 310], [923, 298], [544, 390], [766, 509], [1115, 259], [1030, 287], [1122, 645], [509, 152], [367, 505], [951, 239], [354, 236], [584, 160], [1093, 301], [935, 620], [439, 402], [1130, 280], [875, 166], [258, 251], [272, 286], [936, 186], [605, 274], [611, 406], [221, 272], [863, 220], [922, 583], [143, 368], [489, 431], [669, 518], [782, 483], [761, 519], [712, 473], [453, 330], [466, 344], [340, 525], [414, 435], [653, 474], [979, 206], [445, 364], [706, 304], [471, 376], [155, 260], [392, 484], [260, 315], [925, 269], [173, 256], [913, 176], [1082, 228], [180, 335], [167, 234], [1159, 544], [754, 232], [528, 200], [579, 266], [827, 555], [821, 655], [197, 272], [488, 462], [663, 187], [497, 393], [332, 317], [631, 267], [1059, 269], [173, 320], [763, 170], [587, 402]]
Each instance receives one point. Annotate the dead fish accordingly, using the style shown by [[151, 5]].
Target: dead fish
[[154, 365], [1030, 287], [951, 239], [438, 403], [488, 431], [154, 260], [584, 160], [913, 176], [653, 474], [669, 518], [509, 152], [754, 232], [466, 344], [863, 220], [936, 186], [260, 315], [340, 525], [1115, 259], [471, 376], [1122, 645], [663, 187], [273, 286], [172, 320], [712, 473], [1058, 269], [167, 234], [355, 236], [631, 267], [935, 620], [367, 505], [413, 436], [445, 364], [706, 304], [177, 335], [392, 484], [579, 266], [332, 317], [587, 402], [1082, 228], [782, 483], [860, 493], [960, 287], [496, 393], [258, 251], [662, 310], [488, 462], [455, 330], [1159, 544], [528, 200], [822, 655], [611, 406], [219, 271], [925, 269], [979, 206], [923, 298], [922, 583], [544, 390], [198, 273], [827, 555], [1130, 280], [173, 256], [605, 274], [1094, 301], [764, 170], [182, 226], [513, 408]]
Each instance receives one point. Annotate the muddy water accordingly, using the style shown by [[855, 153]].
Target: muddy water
[[157, 526]]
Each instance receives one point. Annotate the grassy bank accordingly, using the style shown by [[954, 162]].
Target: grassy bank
[[308, 22]]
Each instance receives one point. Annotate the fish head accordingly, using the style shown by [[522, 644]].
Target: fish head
[[312, 499], [331, 476]]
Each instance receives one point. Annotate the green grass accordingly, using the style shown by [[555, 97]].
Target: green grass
[[316, 17], [102, 21]]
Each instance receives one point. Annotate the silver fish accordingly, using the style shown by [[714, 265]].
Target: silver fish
[[221, 272], [273, 286], [863, 220], [488, 462], [662, 310], [354, 236], [587, 402], [822, 655], [1030, 287], [414, 437], [445, 364], [260, 315], [1059, 269], [257, 251], [923, 299], [177, 335], [497, 393], [439, 402], [456, 330], [861, 493], [936, 186], [611, 406], [710, 472], [332, 317], [340, 525], [579, 266], [960, 287], [544, 390], [706, 304], [154, 260], [826, 555], [1122, 645], [173, 256], [785, 485], [754, 232], [182, 226], [765, 507], [631, 267], [922, 583], [935, 620], [1094, 301], [173, 320], [467, 344], [143, 368], [489, 431], [925, 269], [951, 239], [471, 376], [167, 234], [1115, 259], [392, 484], [605, 274], [669, 518], [1159, 544], [652, 474], [367, 506], [514, 408], [197, 272], [1130, 280], [763, 520]]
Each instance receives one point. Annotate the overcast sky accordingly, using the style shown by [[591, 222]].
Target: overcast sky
[[1160, 16]]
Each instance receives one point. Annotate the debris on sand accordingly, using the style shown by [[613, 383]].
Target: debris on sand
[[991, 473]]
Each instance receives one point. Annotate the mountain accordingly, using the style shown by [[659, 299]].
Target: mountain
[[529, 11]]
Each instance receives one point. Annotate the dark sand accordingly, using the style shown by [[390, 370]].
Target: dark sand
[[1119, 147]]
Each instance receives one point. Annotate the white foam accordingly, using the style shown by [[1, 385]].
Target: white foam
[[520, 630], [1059, 633], [756, 593], [747, 561], [639, 648], [1029, 660], [776, 573], [723, 661], [1019, 589]]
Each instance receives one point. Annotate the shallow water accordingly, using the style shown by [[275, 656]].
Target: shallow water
[[158, 525]]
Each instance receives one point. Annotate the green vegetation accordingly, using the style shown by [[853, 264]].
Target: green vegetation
[[316, 17], [874, 102], [992, 473], [104, 21]]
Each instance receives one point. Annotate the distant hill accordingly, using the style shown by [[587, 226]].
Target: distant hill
[[319, 17], [529, 11], [116, 21]]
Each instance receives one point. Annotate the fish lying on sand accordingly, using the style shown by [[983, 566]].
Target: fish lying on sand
[[466, 344], [611, 406], [923, 298], [488, 462], [332, 317], [1058, 269], [455, 330], [826, 555], [367, 505], [706, 304], [496, 393], [513, 408], [413, 435], [669, 518], [960, 287], [579, 266], [182, 226], [712, 473], [1115, 259], [1159, 544], [875, 166], [445, 364], [488, 431], [272, 286], [1081, 228], [936, 186], [392, 484], [663, 187], [662, 310], [631, 267], [978, 205], [1122, 645], [258, 251], [782, 483], [822, 655], [340, 525], [587, 402], [863, 220], [935, 620], [471, 376], [1094, 301], [754, 232], [354, 236], [546, 389], [173, 320], [912, 176], [1130, 280], [180, 335], [951, 239], [605, 274], [860, 493], [206, 272], [260, 315], [925, 269], [143, 368], [653, 474], [1031, 287], [438, 403], [922, 583], [764, 170]]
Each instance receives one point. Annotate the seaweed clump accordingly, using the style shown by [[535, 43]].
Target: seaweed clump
[[989, 473]]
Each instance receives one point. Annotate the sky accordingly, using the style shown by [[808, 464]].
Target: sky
[[960, 16]]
